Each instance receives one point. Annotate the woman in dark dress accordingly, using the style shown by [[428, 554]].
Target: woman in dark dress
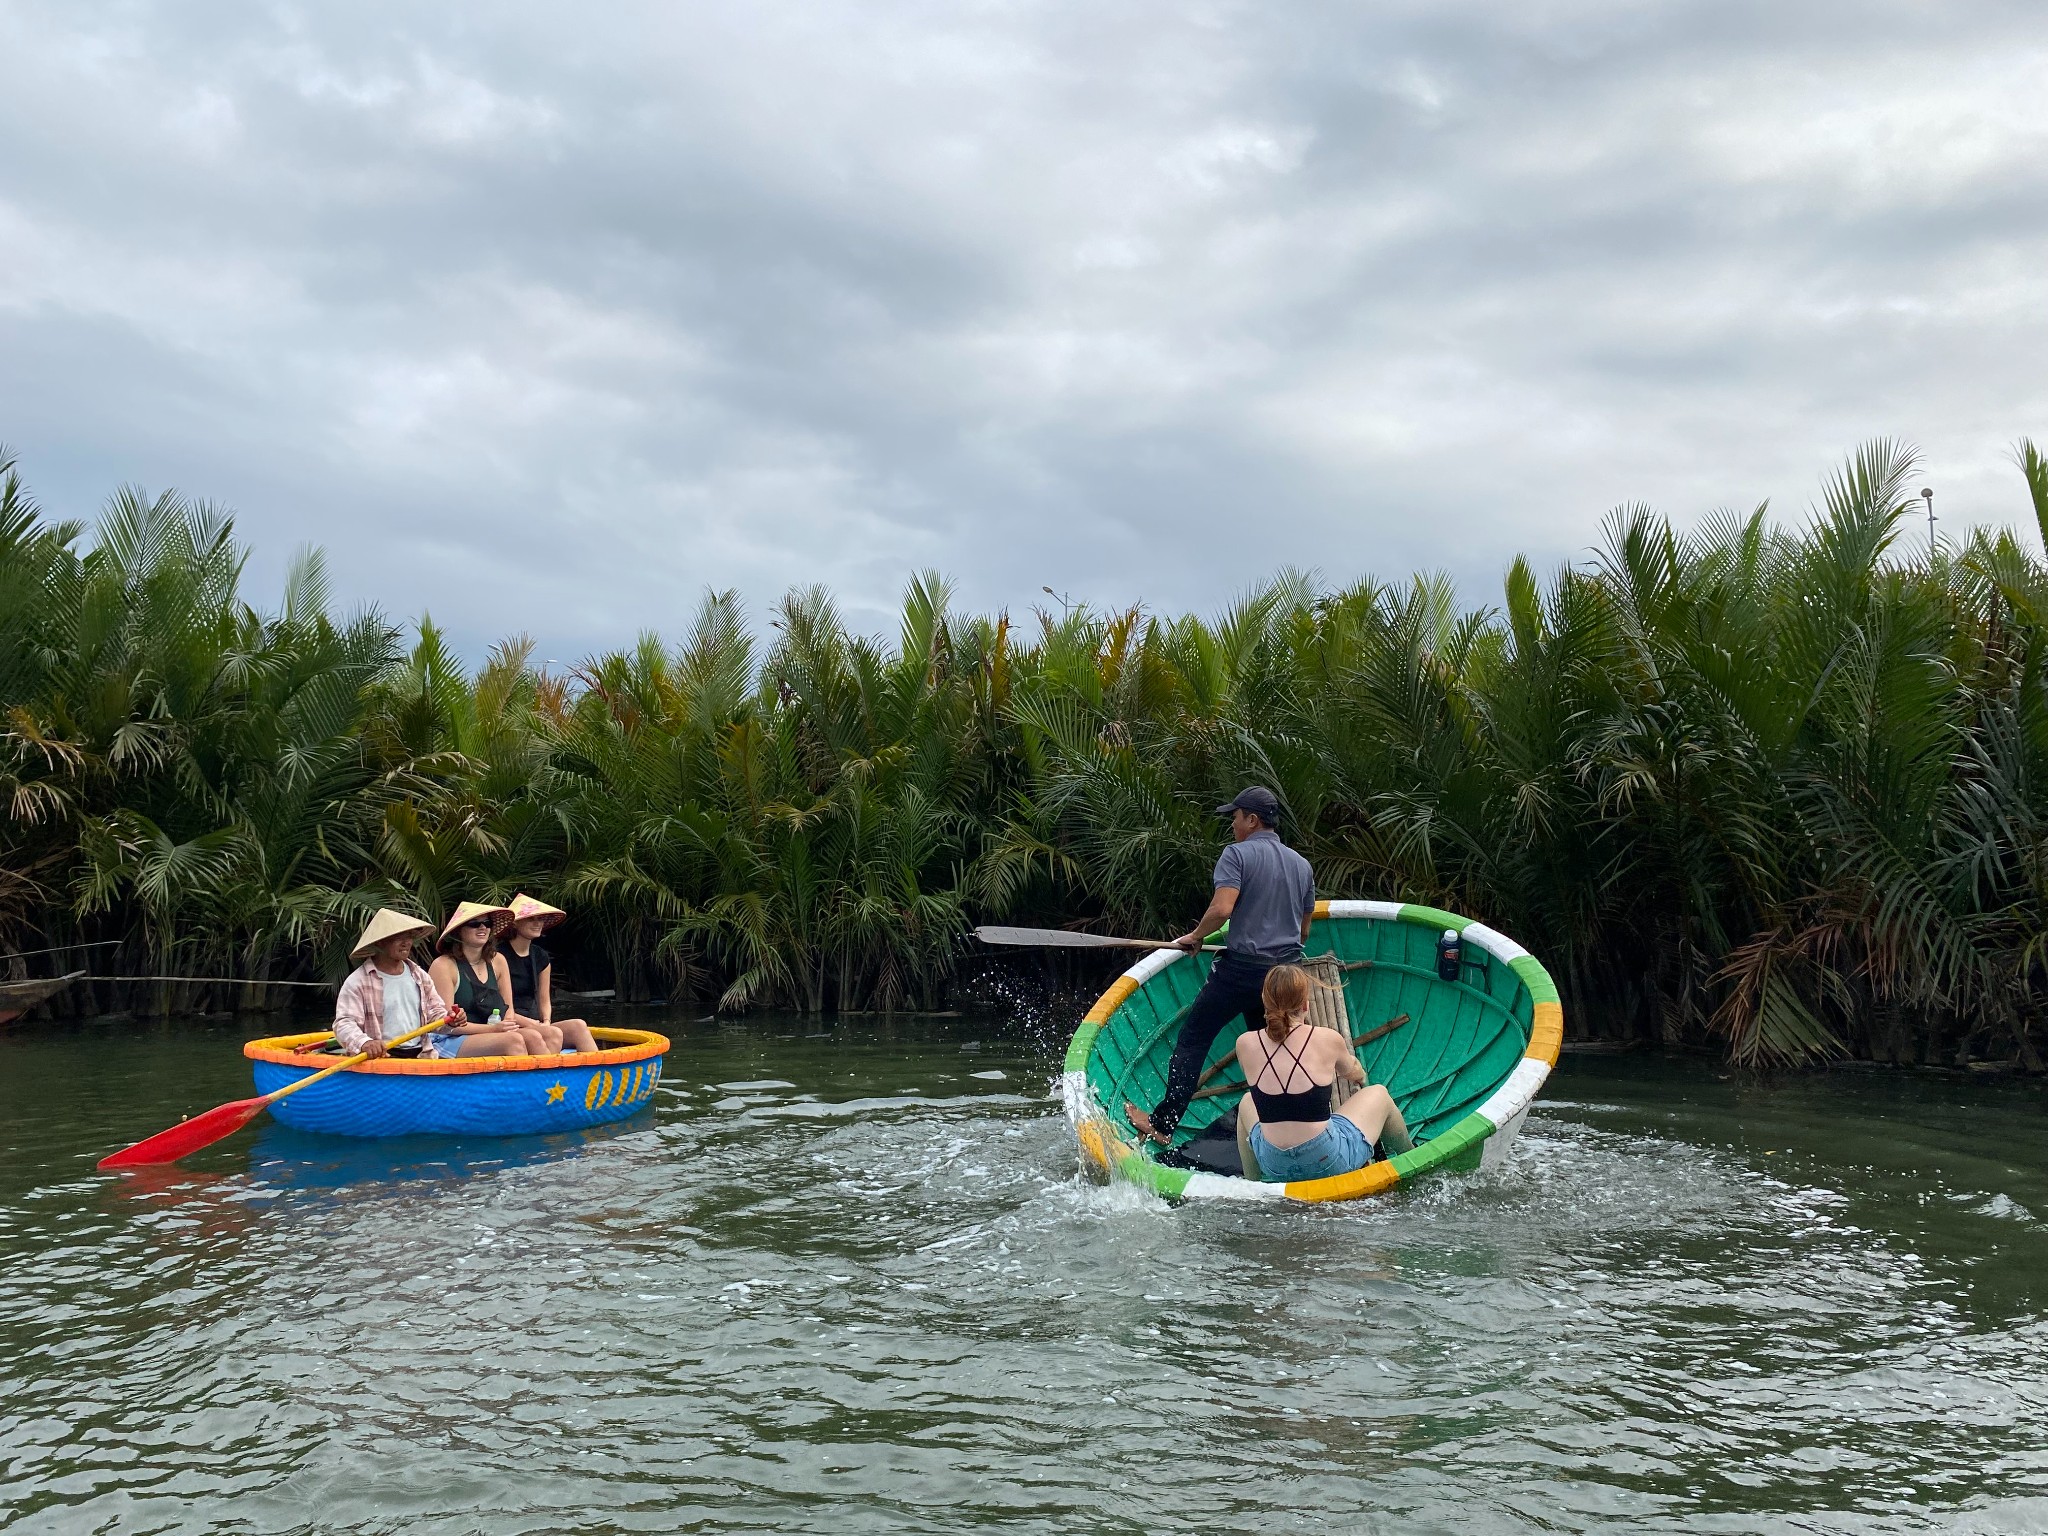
[[531, 966], [471, 973]]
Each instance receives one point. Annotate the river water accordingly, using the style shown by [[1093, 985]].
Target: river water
[[850, 1281]]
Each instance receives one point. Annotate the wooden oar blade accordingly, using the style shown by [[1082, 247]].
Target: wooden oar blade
[[1053, 938], [186, 1136]]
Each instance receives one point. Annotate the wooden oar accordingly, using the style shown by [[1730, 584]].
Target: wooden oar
[[1385, 1029], [1215, 1069], [224, 1120], [1066, 938]]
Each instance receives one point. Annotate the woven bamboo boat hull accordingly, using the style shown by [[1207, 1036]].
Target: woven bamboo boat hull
[[473, 1096], [1464, 1064]]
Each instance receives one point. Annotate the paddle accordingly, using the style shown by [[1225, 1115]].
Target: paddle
[[224, 1120], [1066, 938]]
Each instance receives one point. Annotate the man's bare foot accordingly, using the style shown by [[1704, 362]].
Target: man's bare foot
[[1143, 1122]]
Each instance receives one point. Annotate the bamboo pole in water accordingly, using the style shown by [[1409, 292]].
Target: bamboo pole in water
[[58, 949], [223, 981]]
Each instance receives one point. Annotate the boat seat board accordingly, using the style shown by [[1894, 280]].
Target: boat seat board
[[1327, 1009]]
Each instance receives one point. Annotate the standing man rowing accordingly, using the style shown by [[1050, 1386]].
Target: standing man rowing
[[1267, 893]]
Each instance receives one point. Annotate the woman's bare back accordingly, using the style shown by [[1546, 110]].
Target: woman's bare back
[[1320, 1057]]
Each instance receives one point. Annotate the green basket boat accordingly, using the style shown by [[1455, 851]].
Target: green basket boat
[[1463, 1059]]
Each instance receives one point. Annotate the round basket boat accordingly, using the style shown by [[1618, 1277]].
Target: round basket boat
[[1463, 1059], [470, 1096]]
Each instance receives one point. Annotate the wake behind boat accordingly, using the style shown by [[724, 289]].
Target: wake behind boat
[[1462, 1059]]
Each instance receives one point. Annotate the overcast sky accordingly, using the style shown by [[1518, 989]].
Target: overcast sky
[[550, 317]]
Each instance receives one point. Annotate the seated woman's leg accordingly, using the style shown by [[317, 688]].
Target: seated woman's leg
[[508, 1042], [576, 1035], [1247, 1117], [549, 1036], [1373, 1110]]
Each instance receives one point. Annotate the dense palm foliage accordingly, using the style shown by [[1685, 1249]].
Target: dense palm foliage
[[1786, 788]]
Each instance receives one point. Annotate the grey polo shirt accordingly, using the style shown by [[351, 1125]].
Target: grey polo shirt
[[1275, 890]]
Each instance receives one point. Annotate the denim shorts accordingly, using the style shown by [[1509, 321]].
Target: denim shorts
[[1341, 1148], [442, 1045]]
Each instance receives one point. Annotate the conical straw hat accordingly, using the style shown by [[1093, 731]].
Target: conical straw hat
[[470, 911], [388, 924], [524, 906]]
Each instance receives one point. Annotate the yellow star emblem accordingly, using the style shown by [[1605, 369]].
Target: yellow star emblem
[[555, 1094]]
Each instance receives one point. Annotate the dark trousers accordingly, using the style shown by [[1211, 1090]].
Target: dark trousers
[[1231, 992]]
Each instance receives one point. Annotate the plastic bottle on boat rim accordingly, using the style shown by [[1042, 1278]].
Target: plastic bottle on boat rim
[[1447, 955]]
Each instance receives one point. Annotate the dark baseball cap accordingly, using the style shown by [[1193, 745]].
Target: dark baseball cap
[[1262, 803]]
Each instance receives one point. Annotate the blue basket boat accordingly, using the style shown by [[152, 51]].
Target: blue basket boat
[[470, 1096]]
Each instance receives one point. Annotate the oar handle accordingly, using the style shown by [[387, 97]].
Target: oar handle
[[1065, 938], [345, 1063]]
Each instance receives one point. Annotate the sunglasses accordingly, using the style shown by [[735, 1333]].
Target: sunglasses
[[482, 922]]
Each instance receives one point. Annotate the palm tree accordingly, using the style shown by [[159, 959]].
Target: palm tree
[[1775, 786]]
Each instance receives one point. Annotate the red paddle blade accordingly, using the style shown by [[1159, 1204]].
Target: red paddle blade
[[187, 1136]]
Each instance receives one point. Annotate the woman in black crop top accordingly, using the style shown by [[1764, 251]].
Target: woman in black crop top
[[530, 968], [1291, 1065]]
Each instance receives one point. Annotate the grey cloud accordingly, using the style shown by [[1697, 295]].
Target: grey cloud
[[547, 323]]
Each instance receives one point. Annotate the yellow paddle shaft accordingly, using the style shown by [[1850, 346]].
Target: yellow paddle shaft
[[345, 1063]]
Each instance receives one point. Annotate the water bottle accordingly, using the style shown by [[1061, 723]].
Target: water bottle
[[497, 1015], [1447, 955]]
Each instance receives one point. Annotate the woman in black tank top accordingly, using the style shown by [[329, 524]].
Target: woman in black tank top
[[533, 992], [477, 994], [1284, 1121], [470, 973]]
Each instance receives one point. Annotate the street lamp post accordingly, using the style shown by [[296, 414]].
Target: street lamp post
[[1927, 495]]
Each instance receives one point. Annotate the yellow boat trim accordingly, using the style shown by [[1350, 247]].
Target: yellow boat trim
[[1110, 1001], [621, 1047], [1095, 1144], [1546, 1033], [1373, 1179]]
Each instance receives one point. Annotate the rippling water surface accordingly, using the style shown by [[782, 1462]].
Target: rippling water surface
[[852, 1283]]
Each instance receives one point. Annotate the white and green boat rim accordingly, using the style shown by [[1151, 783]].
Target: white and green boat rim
[[1489, 1127]]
